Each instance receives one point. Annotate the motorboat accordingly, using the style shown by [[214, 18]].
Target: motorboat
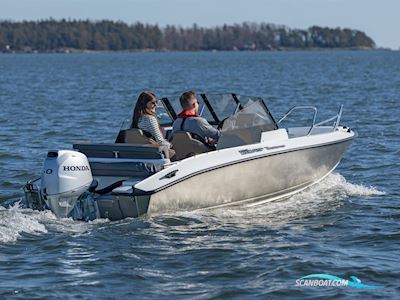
[[256, 160]]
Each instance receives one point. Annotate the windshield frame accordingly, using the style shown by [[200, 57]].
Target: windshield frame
[[233, 100]]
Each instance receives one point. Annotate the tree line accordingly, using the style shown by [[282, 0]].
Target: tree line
[[58, 35]]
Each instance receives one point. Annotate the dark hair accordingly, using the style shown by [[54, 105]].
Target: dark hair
[[186, 97], [141, 107]]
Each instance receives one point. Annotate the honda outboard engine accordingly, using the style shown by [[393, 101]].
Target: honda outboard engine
[[66, 175]]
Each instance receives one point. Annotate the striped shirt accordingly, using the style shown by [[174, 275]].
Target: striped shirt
[[149, 123]]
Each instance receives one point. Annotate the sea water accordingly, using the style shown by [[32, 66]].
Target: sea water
[[347, 225]]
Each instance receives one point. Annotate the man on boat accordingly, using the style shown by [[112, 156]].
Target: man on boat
[[189, 120]]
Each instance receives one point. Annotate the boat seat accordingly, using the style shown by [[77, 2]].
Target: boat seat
[[135, 136], [134, 168], [128, 151], [185, 145]]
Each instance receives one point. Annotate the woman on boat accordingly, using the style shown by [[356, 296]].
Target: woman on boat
[[144, 117]]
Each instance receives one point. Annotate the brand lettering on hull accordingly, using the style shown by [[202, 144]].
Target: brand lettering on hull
[[76, 168]]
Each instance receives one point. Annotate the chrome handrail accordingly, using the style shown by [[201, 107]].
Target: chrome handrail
[[301, 107], [335, 118], [325, 121], [339, 116]]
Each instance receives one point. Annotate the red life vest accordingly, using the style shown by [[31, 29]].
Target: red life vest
[[187, 114]]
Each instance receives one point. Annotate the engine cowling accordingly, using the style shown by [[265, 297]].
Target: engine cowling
[[65, 176]]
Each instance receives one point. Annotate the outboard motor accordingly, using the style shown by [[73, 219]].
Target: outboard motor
[[66, 175]]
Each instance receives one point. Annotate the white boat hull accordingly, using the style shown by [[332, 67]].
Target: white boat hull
[[271, 176]]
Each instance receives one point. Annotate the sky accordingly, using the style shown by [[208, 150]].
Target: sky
[[379, 19]]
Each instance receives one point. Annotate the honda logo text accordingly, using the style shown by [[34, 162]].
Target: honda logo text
[[76, 168]]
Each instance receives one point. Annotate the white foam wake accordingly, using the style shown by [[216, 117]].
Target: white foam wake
[[351, 189], [14, 221], [335, 186]]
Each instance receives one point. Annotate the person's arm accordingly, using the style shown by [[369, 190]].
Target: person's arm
[[151, 125], [207, 129]]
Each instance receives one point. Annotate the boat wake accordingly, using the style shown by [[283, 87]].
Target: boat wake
[[353, 189], [329, 194], [16, 221]]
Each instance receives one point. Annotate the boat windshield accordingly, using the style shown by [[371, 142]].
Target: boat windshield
[[172, 108], [245, 127], [252, 115], [213, 107], [219, 106]]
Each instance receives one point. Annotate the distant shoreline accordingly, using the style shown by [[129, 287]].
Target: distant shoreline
[[53, 36], [200, 51], [197, 51]]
